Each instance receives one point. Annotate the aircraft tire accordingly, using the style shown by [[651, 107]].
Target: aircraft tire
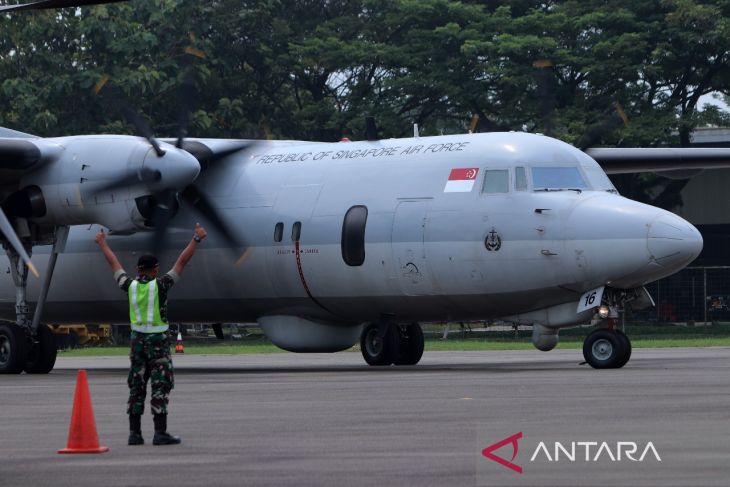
[[13, 349], [377, 350], [627, 349], [410, 346], [604, 349], [42, 355]]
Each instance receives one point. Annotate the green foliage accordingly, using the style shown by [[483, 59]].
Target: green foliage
[[305, 69]]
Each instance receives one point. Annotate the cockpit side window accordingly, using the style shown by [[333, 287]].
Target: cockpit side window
[[496, 181], [520, 179], [557, 178]]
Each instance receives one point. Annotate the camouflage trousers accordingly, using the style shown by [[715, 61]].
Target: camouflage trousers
[[150, 359]]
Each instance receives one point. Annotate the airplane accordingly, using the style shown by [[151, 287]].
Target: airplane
[[329, 244]]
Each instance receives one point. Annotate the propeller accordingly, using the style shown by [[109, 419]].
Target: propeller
[[117, 100], [7, 230], [611, 119], [42, 5], [160, 207]]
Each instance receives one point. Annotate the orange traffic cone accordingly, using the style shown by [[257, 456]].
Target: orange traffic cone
[[179, 348], [82, 437]]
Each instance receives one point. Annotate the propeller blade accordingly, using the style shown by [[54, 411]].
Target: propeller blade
[[7, 230], [46, 4], [117, 100], [611, 119], [188, 94], [546, 92], [371, 130], [164, 209], [473, 123], [206, 156], [200, 202]]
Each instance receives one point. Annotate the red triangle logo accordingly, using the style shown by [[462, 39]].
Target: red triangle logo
[[487, 452]]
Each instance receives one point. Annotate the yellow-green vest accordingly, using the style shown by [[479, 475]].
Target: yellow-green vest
[[144, 307]]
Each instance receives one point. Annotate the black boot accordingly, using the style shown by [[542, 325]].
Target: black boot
[[135, 430], [162, 437]]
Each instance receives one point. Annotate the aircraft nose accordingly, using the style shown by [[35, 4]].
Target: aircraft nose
[[635, 243], [672, 241]]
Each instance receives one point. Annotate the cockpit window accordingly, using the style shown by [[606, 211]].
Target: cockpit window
[[557, 178], [496, 181], [520, 179], [597, 178]]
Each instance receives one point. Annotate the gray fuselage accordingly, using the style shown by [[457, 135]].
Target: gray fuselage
[[440, 242]]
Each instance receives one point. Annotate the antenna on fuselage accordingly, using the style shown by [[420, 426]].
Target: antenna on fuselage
[[415, 130], [371, 130]]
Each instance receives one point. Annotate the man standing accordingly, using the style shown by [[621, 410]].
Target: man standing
[[150, 348]]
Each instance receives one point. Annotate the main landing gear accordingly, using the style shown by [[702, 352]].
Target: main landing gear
[[27, 344], [385, 343], [607, 349]]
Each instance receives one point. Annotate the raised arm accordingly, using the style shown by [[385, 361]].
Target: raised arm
[[107, 251], [188, 251]]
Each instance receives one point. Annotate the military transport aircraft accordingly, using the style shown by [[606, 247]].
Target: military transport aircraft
[[328, 244]]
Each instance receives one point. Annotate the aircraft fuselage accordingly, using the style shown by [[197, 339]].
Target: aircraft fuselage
[[460, 227]]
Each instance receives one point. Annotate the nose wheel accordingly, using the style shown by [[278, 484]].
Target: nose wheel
[[607, 349]]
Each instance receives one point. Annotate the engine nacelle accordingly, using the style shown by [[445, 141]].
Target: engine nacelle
[[70, 185], [297, 334]]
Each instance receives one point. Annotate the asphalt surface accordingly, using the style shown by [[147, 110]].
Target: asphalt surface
[[330, 420]]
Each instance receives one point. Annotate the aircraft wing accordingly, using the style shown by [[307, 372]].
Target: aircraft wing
[[660, 160]]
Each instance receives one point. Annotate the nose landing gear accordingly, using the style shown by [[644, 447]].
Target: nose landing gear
[[607, 349]]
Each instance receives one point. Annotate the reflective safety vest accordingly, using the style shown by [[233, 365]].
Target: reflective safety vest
[[144, 307]]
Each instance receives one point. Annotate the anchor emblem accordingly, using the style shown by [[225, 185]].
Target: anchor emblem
[[493, 242]]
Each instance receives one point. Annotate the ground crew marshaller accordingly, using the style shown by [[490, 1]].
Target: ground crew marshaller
[[149, 346]]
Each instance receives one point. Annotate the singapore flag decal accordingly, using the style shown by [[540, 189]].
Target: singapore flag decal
[[461, 180]]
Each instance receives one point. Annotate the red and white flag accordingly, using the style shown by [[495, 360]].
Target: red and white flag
[[461, 180]]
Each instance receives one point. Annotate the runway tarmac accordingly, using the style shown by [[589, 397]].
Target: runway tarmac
[[330, 420]]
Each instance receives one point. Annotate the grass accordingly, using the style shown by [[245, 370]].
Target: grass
[[641, 337]]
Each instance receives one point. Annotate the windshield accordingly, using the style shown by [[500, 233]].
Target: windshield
[[557, 178]]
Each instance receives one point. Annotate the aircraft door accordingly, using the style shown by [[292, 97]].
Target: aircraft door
[[291, 232], [408, 246]]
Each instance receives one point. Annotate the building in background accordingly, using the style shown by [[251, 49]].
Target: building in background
[[701, 293]]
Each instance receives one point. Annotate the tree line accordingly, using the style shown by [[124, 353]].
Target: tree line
[[313, 69]]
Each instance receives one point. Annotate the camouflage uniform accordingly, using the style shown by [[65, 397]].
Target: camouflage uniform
[[150, 359], [149, 355]]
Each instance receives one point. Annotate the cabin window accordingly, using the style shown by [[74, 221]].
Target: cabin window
[[520, 179], [353, 235], [496, 181], [278, 232], [296, 231], [544, 178]]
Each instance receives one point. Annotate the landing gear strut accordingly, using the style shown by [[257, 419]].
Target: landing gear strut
[[28, 345], [385, 343], [607, 349]]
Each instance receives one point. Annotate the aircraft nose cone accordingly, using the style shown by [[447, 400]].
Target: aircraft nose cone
[[672, 241]]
